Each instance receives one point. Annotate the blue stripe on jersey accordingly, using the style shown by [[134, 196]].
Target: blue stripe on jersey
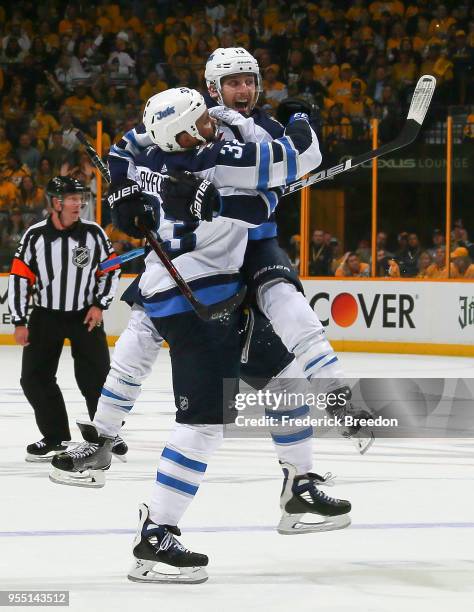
[[271, 198], [180, 459], [290, 159], [266, 230], [120, 153], [175, 483], [178, 303], [294, 437], [264, 166], [131, 136]]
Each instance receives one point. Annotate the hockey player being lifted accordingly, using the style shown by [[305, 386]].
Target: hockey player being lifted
[[209, 256]]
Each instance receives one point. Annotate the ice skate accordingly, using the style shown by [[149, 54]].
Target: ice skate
[[361, 436], [120, 449], [301, 496], [43, 450], [160, 557], [84, 465]]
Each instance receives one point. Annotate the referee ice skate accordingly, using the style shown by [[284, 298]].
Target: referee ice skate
[[57, 261]]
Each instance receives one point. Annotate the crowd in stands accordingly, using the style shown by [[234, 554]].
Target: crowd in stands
[[407, 258], [65, 65]]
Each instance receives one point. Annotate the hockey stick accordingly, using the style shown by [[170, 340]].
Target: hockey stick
[[207, 312], [120, 259], [418, 108]]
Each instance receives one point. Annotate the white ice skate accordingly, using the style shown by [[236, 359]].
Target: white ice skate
[[301, 496]]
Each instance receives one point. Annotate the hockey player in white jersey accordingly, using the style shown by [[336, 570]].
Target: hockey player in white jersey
[[202, 354]]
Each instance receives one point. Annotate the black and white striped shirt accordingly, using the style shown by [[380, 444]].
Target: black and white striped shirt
[[61, 269]]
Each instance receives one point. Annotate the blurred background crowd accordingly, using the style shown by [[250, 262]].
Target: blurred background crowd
[[66, 65]]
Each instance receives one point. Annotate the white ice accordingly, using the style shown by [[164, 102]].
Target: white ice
[[410, 547]]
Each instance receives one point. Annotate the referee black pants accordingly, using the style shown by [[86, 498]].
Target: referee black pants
[[47, 331]]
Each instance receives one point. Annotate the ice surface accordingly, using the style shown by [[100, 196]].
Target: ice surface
[[411, 545]]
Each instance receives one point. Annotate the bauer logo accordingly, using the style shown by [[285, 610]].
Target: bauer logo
[[390, 310], [165, 113], [466, 315]]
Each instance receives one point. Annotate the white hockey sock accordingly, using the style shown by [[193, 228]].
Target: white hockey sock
[[117, 399], [134, 355], [292, 439], [301, 332], [181, 469]]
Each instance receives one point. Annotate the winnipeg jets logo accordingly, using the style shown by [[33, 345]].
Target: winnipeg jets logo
[[165, 113], [183, 402], [81, 256], [164, 169]]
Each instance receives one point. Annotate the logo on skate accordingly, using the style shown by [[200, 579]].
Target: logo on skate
[[183, 402], [81, 256]]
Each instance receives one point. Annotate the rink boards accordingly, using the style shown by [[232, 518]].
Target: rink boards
[[409, 316]]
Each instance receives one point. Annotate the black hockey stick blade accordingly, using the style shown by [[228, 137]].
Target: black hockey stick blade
[[206, 312], [418, 108]]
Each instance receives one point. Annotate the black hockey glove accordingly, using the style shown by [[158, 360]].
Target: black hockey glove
[[130, 207], [294, 106], [189, 198]]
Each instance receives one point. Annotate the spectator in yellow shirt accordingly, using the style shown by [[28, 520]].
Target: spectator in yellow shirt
[[438, 66], [275, 91], [356, 106], [45, 122], [8, 193], [81, 105], [438, 268], [151, 86], [404, 71], [351, 265], [15, 170], [461, 265], [423, 264], [326, 71], [340, 88], [171, 40]]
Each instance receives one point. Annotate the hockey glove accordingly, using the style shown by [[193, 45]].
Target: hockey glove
[[189, 198], [290, 108], [130, 207]]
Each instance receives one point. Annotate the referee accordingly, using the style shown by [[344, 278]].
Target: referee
[[57, 261]]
